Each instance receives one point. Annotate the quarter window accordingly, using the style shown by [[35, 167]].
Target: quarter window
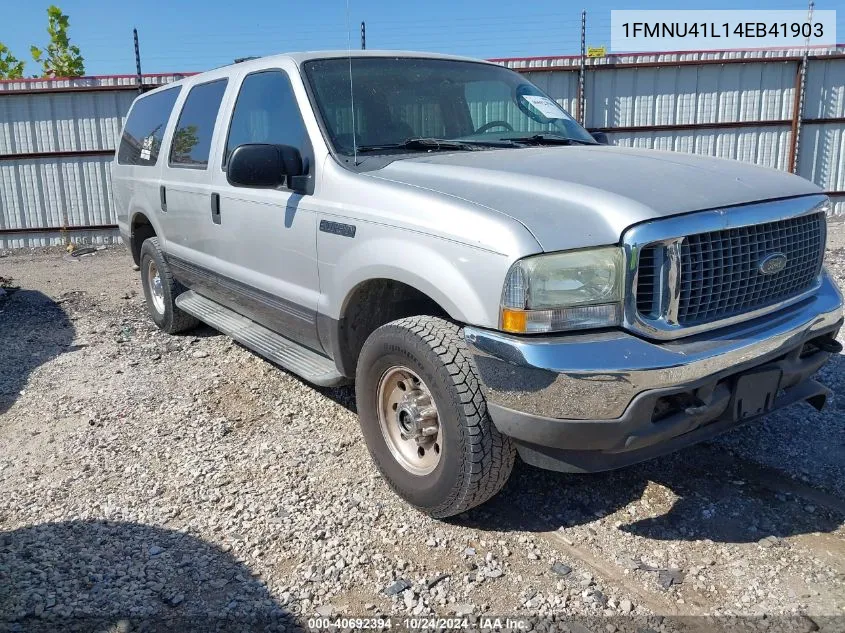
[[191, 144], [144, 129], [266, 112]]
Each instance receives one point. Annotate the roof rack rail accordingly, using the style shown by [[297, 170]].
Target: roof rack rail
[[238, 60]]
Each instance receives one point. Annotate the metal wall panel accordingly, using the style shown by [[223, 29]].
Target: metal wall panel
[[682, 95], [825, 90], [822, 155], [56, 192], [686, 89], [54, 122], [764, 146]]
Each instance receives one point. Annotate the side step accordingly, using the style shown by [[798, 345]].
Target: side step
[[302, 361]]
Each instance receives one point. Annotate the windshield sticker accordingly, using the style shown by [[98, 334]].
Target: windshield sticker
[[545, 106]]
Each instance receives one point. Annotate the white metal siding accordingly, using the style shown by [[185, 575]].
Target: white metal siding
[[54, 122], [76, 191], [56, 192], [764, 146]]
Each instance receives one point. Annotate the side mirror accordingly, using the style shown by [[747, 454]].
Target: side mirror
[[600, 137], [263, 165]]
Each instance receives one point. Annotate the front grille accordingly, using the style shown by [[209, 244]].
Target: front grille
[[646, 281], [719, 270]]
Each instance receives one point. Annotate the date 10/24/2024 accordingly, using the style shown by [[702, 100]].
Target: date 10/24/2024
[[726, 29]]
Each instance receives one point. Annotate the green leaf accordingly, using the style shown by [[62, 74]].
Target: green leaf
[[62, 59]]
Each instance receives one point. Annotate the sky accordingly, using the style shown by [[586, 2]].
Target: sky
[[196, 35]]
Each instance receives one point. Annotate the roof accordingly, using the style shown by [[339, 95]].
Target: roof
[[259, 63]]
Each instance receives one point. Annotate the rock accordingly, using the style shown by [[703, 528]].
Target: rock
[[397, 587], [155, 550], [626, 606], [768, 541], [463, 609], [325, 610], [200, 354], [561, 569], [436, 580], [469, 551], [493, 573], [668, 577], [409, 599]]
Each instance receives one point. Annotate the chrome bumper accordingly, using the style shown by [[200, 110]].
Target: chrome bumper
[[596, 376]]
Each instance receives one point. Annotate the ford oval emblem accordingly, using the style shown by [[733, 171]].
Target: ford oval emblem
[[772, 263]]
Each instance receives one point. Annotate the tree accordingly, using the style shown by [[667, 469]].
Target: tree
[[62, 59], [10, 66], [184, 141]]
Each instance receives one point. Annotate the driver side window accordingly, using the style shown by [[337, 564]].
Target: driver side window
[[266, 112]]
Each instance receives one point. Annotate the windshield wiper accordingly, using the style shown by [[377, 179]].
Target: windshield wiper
[[421, 143], [549, 139]]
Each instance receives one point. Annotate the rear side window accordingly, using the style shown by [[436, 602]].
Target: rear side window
[[191, 143], [144, 130], [266, 112]]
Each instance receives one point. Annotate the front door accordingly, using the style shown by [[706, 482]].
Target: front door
[[264, 245]]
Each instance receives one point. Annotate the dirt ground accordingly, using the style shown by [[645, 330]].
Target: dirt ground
[[155, 482]]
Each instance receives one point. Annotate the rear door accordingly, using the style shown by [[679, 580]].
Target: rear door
[[264, 242], [185, 191], [136, 171]]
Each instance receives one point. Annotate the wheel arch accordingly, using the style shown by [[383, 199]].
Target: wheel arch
[[368, 305], [140, 228]]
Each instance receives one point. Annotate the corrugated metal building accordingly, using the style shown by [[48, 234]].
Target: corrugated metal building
[[57, 136]]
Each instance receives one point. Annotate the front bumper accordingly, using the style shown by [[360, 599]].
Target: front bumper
[[586, 402]]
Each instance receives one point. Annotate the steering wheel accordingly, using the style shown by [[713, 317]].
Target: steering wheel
[[492, 124]]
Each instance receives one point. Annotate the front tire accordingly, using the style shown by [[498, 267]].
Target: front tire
[[425, 420], [161, 290]]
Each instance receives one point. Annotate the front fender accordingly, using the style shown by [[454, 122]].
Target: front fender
[[465, 281]]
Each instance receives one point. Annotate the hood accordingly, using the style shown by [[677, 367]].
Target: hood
[[577, 196]]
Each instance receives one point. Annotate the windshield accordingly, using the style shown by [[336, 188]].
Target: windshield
[[401, 98]]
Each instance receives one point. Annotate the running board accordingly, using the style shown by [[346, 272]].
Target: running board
[[303, 362]]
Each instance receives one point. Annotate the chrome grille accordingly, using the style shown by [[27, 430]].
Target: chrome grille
[[646, 276], [720, 276]]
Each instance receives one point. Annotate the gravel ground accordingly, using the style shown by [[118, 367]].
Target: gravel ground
[[155, 482]]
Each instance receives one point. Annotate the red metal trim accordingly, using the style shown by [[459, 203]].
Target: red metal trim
[[59, 229], [44, 91], [713, 50], [97, 77], [667, 64], [80, 153], [795, 121]]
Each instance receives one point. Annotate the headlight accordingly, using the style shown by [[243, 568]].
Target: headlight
[[564, 291]]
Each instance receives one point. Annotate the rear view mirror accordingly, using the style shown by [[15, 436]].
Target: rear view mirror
[[600, 137], [263, 165]]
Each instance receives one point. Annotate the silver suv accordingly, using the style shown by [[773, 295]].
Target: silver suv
[[494, 279]]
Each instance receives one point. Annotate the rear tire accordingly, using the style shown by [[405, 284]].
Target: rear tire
[[429, 357], [161, 290]]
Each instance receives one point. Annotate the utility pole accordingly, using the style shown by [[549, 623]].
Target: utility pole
[[138, 61], [363, 35], [582, 69], [798, 115]]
